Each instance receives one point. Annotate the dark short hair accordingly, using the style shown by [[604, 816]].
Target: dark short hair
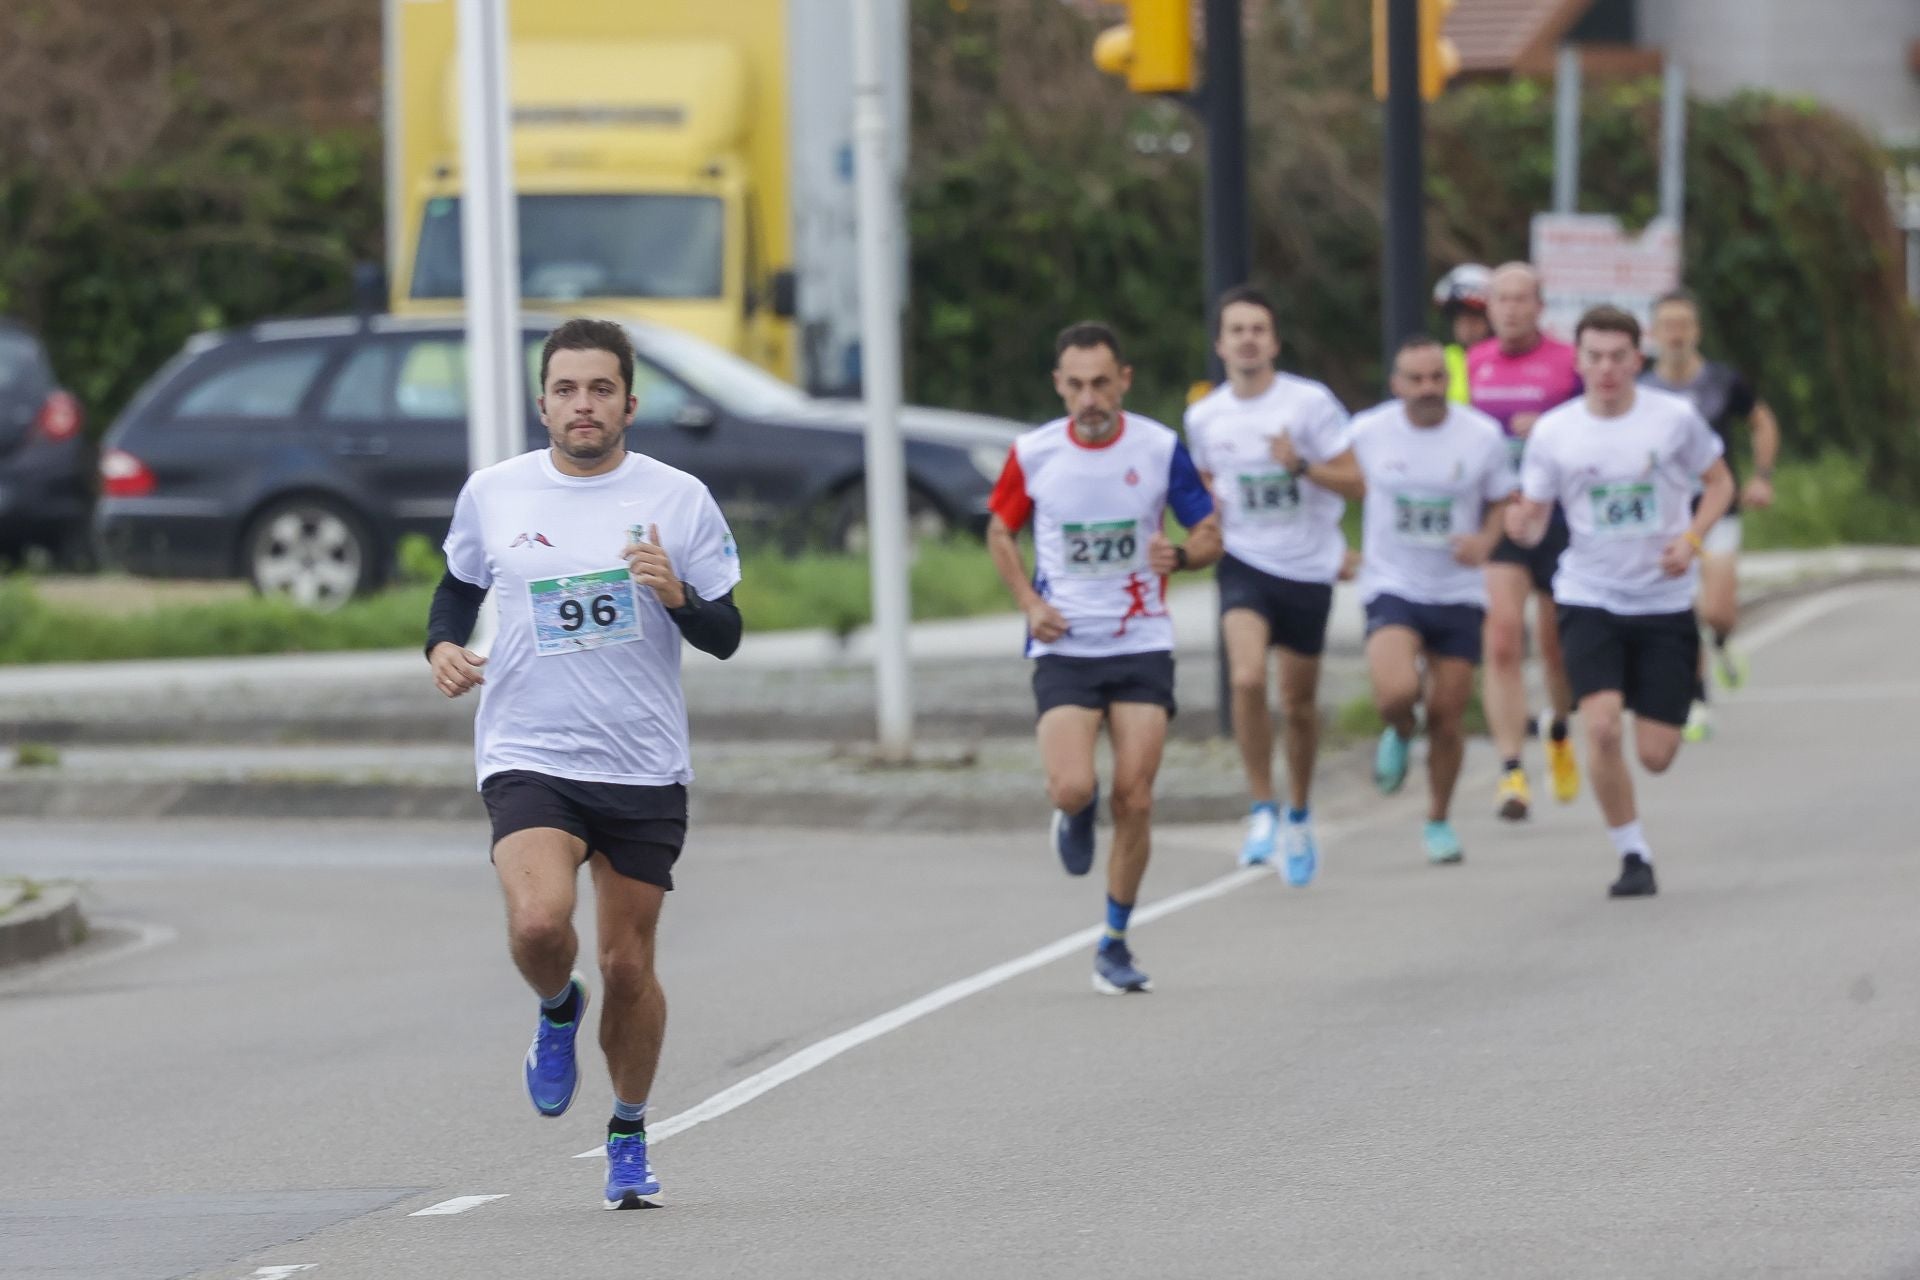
[[1085, 334], [1418, 342], [581, 334], [1685, 296], [1608, 319], [1248, 294]]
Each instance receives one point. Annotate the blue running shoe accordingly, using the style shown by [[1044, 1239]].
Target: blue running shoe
[[1073, 836], [552, 1074], [1263, 830], [630, 1180], [1390, 761], [1114, 973], [1443, 847], [1303, 851]]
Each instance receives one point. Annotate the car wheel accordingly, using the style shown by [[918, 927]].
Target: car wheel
[[311, 551], [848, 526]]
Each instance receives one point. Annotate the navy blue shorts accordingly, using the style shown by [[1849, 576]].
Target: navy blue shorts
[[1296, 612], [1098, 683], [1445, 630], [639, 829]]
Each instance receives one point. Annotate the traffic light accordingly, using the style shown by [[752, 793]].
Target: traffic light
[[1439, 58], [1154, 50]]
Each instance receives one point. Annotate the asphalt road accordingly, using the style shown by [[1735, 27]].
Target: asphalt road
[[1481, 1071]]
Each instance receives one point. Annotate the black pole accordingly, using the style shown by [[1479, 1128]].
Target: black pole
[[1229, 241], [1406, 242]]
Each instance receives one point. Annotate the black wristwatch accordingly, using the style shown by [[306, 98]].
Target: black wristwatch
[[1179, 558], [1301, 470], [688, 606]]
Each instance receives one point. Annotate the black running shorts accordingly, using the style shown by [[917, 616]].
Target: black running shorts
[[1651, 660], [640, 830], [1296, 612], [1540, 561], [1098, 683]]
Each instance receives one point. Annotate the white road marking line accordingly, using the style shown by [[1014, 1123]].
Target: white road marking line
[[282, 1272], [814, 1055], [459, 1204]]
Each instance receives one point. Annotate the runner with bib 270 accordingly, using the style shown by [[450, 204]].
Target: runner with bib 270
[[1096, 486], [1274, 450], [1624, 461], [1437, 481], [601, 562]]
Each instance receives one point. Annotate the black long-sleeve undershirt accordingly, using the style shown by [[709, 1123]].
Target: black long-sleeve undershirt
[[711, 626]]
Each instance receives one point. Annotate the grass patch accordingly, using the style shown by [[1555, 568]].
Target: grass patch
[[1358, 721], [949, 579], [1827, 502], [36, 755]]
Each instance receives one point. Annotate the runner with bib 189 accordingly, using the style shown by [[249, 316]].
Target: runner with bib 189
[[1096, 486], [602, 561]]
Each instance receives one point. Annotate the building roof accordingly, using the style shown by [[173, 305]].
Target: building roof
[[1503, 36]]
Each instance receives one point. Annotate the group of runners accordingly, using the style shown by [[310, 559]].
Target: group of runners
[[1562, 476]]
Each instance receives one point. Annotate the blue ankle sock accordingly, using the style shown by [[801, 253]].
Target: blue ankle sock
[[1297, 815], [1118, 913]]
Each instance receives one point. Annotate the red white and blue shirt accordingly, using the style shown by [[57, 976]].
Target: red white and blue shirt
[[1093, 510]]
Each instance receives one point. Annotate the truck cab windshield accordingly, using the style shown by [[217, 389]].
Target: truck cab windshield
[[590, 246]]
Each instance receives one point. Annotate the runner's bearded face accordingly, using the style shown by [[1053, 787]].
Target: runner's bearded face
[[584, 406], [1247, 344], [1092, 383], [1609, 363], [1676, 331], [1420, 381], [1514, 305]]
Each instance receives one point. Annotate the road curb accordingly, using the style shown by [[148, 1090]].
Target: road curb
[[51, 922]]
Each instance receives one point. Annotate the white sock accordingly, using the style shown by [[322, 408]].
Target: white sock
[[1628, 838]]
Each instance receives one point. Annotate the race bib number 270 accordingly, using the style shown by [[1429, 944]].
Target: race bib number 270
[[1101, 548], [583, 611]]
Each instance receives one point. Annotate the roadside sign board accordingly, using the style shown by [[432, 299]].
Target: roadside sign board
[[1586, 259]]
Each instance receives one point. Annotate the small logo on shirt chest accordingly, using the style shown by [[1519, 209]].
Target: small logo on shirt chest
[[1133, 476], [530, 539]]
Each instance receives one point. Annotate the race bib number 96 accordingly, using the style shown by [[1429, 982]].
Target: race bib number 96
[[1423, 522], [1269, 497], [583, 611], [1100, 548], [1625, 510]]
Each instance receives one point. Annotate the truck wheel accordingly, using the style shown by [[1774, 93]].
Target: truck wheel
[[312, 551]]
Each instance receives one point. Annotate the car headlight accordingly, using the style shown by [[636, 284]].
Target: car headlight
[[988, 459]]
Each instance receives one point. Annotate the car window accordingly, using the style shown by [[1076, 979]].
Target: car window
[[659, 396], [21, 369], [432, 381], [268, 383], [362, 389]]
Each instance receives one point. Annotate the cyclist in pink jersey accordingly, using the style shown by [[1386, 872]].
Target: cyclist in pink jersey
[[1517, 375]]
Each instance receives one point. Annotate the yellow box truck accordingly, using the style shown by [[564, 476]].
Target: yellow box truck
[[686, 162]]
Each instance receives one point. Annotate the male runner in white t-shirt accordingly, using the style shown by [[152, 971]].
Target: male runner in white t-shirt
[[1273, 448], [1437, 478], [1096, 486], [601, 562], [1623, 461]]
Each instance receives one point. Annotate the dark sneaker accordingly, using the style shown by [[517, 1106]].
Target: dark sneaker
[[1073, 837], [1636, 879], [1114, 973]]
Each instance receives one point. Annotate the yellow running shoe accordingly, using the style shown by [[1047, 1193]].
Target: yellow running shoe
[[1564, 770], [1514, 795]]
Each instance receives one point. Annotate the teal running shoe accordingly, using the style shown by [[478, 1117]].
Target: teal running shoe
[[1443, 847], [1390, 761]]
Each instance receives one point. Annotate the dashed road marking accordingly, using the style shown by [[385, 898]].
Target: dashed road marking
[[459, 1204]]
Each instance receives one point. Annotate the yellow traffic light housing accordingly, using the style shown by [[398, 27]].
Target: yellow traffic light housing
[[1439, 57], [1154, 50]]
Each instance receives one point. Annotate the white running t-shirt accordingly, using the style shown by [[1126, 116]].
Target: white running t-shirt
[[1093, 509], [584, 678], [1280, 524], [1425, 486], [1627, 484]]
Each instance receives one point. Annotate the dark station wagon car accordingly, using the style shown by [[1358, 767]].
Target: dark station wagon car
[[297, 453], [46, 460]]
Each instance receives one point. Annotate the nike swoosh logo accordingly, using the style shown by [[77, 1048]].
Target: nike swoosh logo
[[636, 502]]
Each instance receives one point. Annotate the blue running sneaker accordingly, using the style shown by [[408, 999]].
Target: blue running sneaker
[[552, 1074], [1443, 847], [630, 1180], [1114, 973], [1073, 836], [1390, 761], [1303, 851], [1263, 830]]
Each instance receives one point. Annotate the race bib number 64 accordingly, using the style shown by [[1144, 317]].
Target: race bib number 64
[[583, 611], [1627, 510]]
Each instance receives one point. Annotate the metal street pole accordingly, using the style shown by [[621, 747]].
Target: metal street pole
[[489, 237], [887, 537], [1229, 241], [1673, 144], [1566, 131], [1406, 202]]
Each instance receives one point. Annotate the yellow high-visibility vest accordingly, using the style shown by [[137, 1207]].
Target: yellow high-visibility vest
[[1458, 389]]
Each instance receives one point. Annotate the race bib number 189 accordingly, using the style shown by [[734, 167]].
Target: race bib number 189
[[1625, 510], [583, 611], [1102, 547], [1269, 497]]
